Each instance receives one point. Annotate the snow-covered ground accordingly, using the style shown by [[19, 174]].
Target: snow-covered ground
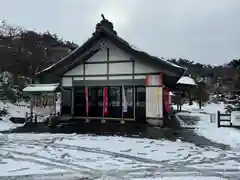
[[71, 156], [207, 125], [109, 157]]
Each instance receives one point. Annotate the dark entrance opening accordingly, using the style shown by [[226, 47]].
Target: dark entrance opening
[[95, 101], [66, 102], [79, 102], [140, 104], [114, 102]]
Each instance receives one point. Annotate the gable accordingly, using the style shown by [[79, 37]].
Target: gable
[[120, 62]]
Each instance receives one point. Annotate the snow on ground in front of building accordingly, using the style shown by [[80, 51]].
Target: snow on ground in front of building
[[111, 157], [207, 108], [207, 126], [13, 111], [19, 110]]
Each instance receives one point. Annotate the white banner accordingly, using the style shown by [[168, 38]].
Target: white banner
[[154, 101], [124, 100], [154, 96]]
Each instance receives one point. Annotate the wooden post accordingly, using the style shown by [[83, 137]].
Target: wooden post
[[121, 99], [55, 103], [35, 120], [26, 117], [72, 102], [134, 102], [31, 108], [218, 119], [230, 120]]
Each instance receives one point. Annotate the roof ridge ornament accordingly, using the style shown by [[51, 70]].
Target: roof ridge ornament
[[106, 24]]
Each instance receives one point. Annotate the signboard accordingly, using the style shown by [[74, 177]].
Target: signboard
[[43, 100]]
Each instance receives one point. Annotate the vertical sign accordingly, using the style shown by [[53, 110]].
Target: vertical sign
[[154, 96], [105, 101], [86, 99], [124, 100]]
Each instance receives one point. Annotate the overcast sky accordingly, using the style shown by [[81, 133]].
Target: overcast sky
[[206, 31]]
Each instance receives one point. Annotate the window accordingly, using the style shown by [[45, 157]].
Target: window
[[114, 96], [141, 96]]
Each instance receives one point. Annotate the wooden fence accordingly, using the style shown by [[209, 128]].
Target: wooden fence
[[224, 117]]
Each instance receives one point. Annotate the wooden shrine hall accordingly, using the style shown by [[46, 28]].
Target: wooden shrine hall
[[108, 79]]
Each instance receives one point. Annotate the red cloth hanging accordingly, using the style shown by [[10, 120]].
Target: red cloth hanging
[[166, 100], [105, 101]]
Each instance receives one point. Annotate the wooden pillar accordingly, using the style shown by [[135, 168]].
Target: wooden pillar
[[218, 118], [122, 100], [31, 108], [55, 103], [72, 102], [134, 103]]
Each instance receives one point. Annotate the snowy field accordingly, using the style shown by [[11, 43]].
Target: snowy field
[[71, 156], [39, 156]]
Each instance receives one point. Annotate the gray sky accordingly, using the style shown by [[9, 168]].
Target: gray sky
[[206, 31]]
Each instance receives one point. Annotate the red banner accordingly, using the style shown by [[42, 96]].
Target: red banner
[[86, 99], [105, 101], [166, 100]]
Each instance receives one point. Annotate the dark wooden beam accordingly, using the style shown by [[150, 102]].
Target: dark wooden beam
[[133, 68], [107, 63], [105, 75]]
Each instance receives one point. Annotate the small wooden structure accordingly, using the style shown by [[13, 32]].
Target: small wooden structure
[[224, 117], [42, 96], [184, 86]]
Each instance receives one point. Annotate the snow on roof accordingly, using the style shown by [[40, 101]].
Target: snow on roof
[[171, 93], [41, 88], [187, 81]]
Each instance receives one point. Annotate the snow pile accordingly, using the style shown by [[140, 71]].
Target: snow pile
[[15, 110], [186, 81]]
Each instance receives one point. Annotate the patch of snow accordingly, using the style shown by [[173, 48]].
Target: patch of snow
[[41, 88], [187, 81]]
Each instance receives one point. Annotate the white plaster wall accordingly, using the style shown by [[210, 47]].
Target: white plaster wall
[[78, 78], [96, 78], [76, 71], [66, 81], [140, 77], [142, 67], [116, 54], [93, 69], [121, 68], [99, 56], [120, 77]]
